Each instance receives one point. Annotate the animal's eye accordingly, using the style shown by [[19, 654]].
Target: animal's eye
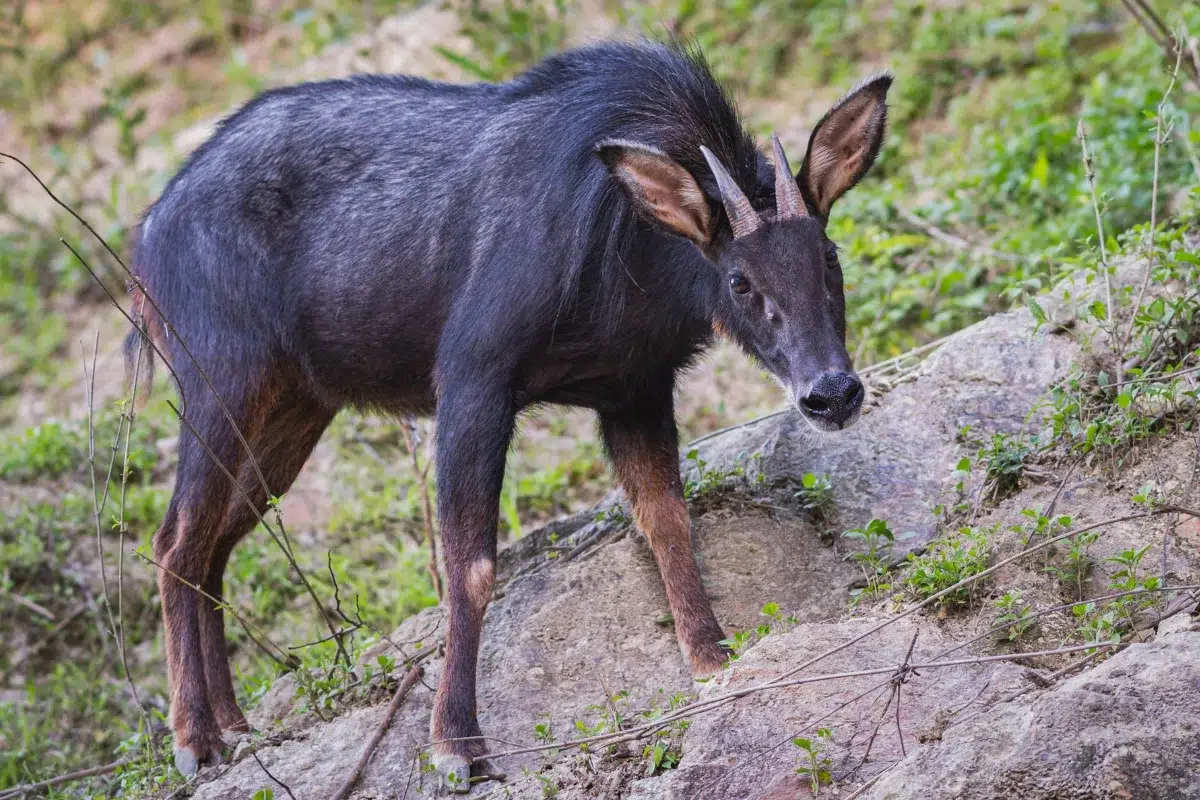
[[738, 283], [831, 255]]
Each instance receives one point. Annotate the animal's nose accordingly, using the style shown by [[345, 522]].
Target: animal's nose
[[835, 396]]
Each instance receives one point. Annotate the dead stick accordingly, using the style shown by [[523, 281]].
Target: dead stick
[[91, 772], [263, 767], [401, 692]]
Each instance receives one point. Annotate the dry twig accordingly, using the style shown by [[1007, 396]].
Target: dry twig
[[283, 785], [1089, 168], [422, 474], [78, 775], [414, 673], [1159, 139]]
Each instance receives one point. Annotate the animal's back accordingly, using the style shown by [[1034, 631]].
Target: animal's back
[[339, 226]]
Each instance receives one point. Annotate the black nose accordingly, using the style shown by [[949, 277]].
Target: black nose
[[835, 396]]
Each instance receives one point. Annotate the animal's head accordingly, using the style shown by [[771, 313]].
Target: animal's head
[[785, 301]]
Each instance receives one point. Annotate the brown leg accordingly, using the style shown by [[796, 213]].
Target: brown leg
[[473, 431], [286, 441], [643, 445], [183, 548]]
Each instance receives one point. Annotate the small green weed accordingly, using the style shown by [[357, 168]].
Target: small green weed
[[875, 561], [1005, 457], [1128, 577], [1041, 526], [709, 478], [1074, 569], [816, 492], [947, 562], [1013, 610], [816, 764], [1096, 627]]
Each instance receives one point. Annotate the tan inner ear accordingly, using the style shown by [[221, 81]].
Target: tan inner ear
[[836, 161], [669, 193]]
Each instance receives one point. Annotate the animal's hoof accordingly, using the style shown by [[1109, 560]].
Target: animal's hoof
[[454, 773], [484, 769], [457, 774], [188, 761]]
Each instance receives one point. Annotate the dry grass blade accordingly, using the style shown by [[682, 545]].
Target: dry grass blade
[[1148, 246], [1089, 168]]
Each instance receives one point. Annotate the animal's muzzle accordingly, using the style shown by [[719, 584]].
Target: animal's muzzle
[[835, 399]]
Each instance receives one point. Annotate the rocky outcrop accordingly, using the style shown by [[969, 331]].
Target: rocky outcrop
[[1127, 730]]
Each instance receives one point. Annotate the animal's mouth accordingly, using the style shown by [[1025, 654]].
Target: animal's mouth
[[825, 424]]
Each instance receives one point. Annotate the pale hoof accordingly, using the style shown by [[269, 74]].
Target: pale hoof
[[454, 773], [188, 763]]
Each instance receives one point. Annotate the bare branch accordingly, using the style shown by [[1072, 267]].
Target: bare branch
[[263, 766], [402, 691], [78, 775]]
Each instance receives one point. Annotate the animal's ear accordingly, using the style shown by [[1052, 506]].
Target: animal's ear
[[659, 188], [845, 143]]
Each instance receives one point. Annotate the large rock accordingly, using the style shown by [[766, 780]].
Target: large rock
[[566, 633], [745, 749], [1126, 730]]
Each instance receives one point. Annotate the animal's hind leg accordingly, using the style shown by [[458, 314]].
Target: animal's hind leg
[[474, 424], [183, 550], [281, 448]]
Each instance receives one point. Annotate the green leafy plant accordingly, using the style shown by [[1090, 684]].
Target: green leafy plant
[[874, 561], [816, 492], [947, 562], [1096, 627], [1074, 568], [1128, 577], [815, 763], [1013, 610], [709, 478]]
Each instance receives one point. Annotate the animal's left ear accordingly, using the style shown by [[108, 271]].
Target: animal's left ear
[[659, 188], [845, 143]]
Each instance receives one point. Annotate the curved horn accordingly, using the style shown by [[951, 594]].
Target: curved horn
[[742, 216], [787, 191]]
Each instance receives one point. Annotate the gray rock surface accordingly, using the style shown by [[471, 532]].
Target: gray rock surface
[[1127, 730]]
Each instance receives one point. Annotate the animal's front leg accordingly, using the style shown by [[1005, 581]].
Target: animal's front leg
[[643, 445], [473, 430]]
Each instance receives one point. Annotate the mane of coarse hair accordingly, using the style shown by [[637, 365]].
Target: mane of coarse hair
[[661, 94]]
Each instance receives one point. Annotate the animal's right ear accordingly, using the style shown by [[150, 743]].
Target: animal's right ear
[[659, 188]]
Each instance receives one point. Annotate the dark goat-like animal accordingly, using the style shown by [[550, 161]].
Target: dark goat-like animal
[[574, 236]]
